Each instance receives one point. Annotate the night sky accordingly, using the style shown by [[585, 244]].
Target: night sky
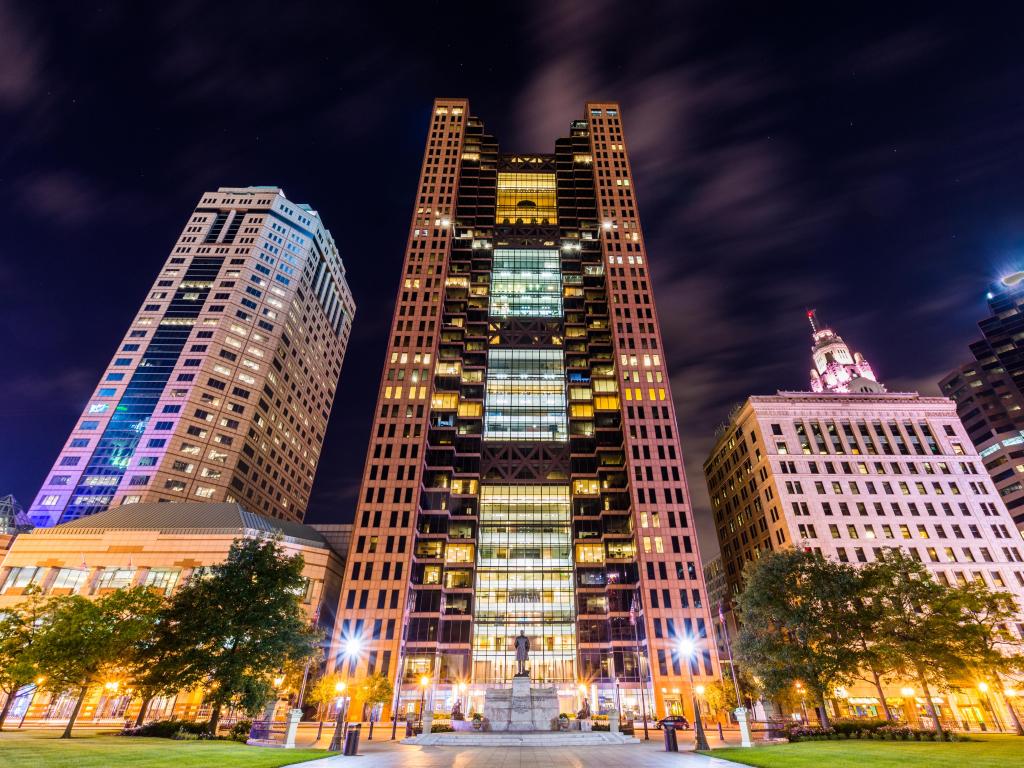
[[869, 164]]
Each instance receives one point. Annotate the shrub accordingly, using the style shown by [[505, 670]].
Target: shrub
[[240, 731], [800, 732], [168, 729], [853, 728], [894, 732], [440, 728]]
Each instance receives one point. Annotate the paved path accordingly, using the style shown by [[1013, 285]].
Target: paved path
[[389, 754]]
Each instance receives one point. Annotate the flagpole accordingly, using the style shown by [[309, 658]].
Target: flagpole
[[639, 665]]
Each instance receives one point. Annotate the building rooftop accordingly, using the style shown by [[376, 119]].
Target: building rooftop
[[188, 517]]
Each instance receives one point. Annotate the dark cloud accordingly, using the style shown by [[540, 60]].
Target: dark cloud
[[866, 163]]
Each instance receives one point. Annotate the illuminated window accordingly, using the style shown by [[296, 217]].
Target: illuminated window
[[526, 283], [524, 581], [526, 198], [525, 395]]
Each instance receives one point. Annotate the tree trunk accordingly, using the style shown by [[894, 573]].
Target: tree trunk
[[214, 718], [320, 718], [141, 718], [823, 713], [7, 706], [881, 694], [928, 698], [74, 713]]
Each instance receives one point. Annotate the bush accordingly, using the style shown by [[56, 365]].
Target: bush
[[440, 728], [169, 729], [240, 731], [853, 728], [800, 732], [894, 732]]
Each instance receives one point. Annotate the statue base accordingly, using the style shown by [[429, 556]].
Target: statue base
[[522, 707]]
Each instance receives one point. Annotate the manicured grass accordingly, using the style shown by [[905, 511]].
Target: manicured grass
[[990, 751], [92, 749]]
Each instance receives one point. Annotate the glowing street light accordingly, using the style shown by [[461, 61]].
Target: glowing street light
[[687, 649], [907, 692]]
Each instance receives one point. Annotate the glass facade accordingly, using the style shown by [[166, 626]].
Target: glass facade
[[526, 283], [120, 439], [526, 198], [524, 581], [525, 396]]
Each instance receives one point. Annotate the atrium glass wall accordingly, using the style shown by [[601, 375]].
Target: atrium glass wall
[[526, 198], [525, 395], [526, 283], [524, 581]]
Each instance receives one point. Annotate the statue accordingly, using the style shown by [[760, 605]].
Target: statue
[[584, 713], [457, 710], [522, 644]]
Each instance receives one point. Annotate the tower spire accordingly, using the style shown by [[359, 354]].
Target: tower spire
[[812, 318], [835, 368]]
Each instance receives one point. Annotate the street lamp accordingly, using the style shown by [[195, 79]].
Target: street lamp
[[424, 682], [339, 724], [803, 699], [983, 689], [687, 649]]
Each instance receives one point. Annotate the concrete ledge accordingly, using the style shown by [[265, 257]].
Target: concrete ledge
[[522, 739]]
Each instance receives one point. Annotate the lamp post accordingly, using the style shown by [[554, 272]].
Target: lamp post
[[803, 699], [339, 723], [983, 689], [908, 698], [687, 649]]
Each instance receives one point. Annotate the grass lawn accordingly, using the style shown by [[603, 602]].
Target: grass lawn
[[98, 749], [991, 751]]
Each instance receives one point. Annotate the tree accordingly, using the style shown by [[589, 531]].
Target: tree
[[923, 624], [322, 693], [18, 629], [232, 629], [988, 644], [875, 656], [373, 689], [794, 623], [720, 697], [84, 642]]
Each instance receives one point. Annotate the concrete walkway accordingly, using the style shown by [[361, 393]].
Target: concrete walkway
[[390, 754]]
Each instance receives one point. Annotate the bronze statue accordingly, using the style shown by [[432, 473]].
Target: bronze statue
[[522, 644]]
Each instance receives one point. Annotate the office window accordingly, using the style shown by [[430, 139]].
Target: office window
[[526, 198], [525, 395], [526, 283]]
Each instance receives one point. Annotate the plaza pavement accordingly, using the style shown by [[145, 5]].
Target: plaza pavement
[[651, 754]]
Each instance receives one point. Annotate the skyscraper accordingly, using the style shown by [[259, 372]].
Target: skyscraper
[[988, 392], [848, 474], [524, 469], [223, 384]]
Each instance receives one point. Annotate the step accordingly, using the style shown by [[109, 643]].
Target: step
[[521, 739]]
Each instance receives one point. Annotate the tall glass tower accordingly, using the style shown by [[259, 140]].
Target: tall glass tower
[[524, 470], [223, 384]]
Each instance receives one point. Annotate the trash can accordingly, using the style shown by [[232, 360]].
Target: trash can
[[352, 739], [409, 732], [671, 740]]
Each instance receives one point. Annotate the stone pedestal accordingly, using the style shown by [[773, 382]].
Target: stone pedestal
[[613, 721], [294, 715], [522, 707], [741, 720]]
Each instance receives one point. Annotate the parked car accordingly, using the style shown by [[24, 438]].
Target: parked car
[[679, 722]]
